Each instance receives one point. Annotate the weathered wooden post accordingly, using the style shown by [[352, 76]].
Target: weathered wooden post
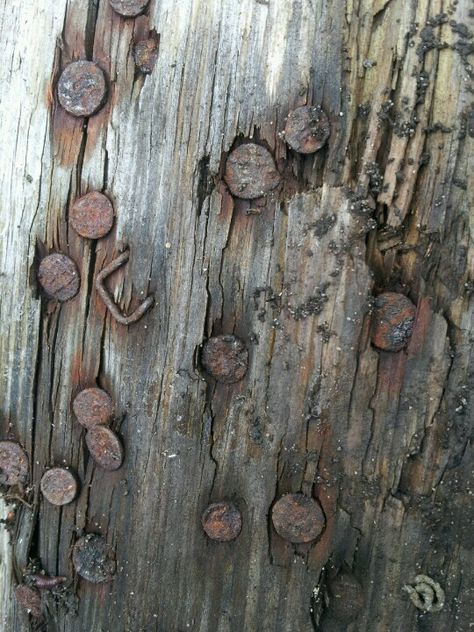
[[282, 439]]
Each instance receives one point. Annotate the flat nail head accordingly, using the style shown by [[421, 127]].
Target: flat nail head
[[82, 88], [29, 599], [59, 277], [92, 215], [93, 559], [59, 486], [225, 358], [129, 8], [145, 54], [392, 321], [105, 447], [222, 521], [251, 172], [13, 464], [307, 129], [93, 407], [298, 518]]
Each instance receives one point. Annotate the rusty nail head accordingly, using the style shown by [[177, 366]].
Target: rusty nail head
[[222, 521], [59, 486], [29, 599], [145, 54], [307, 129], [92, 215], [392, 321], [225, 358], [251, 172], [298, 518], [59, 277], [93, 407], [93, 559], [129, 8], [346, 597], [82, 88], [105, 447], [13, 463]]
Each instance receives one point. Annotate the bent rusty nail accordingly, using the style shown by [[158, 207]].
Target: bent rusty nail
[[46, 583], [109, 303]]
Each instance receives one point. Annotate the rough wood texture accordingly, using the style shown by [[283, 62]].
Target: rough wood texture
[[382, 439]]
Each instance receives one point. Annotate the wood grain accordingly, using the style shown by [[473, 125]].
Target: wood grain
[[382, 439]]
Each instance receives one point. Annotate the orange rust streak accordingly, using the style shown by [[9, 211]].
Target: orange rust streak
[[391, 372], [141, 28], [421, 326], [67, 134]]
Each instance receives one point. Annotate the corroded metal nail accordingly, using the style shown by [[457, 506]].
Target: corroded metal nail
[[145, 54], [82, 88], [251, 172], [13, 464], [29, 599], [307, 129], [59, 486], [225, 358], [129, 8], [298, 518], [392, 321], [93, 559], [59, 277], [105, 447], [93, 407], [111, 306], [222, 521], [45, 582], [346, 597], [92, 215]]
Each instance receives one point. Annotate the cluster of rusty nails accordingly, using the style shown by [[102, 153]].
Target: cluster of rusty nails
[[94, 409], [250, 170], [92, 217], [250, 173], [296, 518], [82, 91]]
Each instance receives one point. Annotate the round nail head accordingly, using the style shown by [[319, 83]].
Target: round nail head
[[82, 88], [29, 599], [222, 521], [392, 321], [13, 464], [225, 358], [145, 54], [59, 486], [129, 8], [93, 407], [346, 597], [93, 559], [92, 215], [59, 277], [298, 518], [307, 129], [251, 172], [105, 447]]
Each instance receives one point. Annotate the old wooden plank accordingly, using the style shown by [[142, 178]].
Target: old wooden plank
[[380, 438]]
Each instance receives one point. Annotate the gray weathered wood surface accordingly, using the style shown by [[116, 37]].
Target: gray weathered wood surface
[[383, 440]]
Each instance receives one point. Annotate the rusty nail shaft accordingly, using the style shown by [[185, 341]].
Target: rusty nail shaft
[[109, 303], [43, 582]]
